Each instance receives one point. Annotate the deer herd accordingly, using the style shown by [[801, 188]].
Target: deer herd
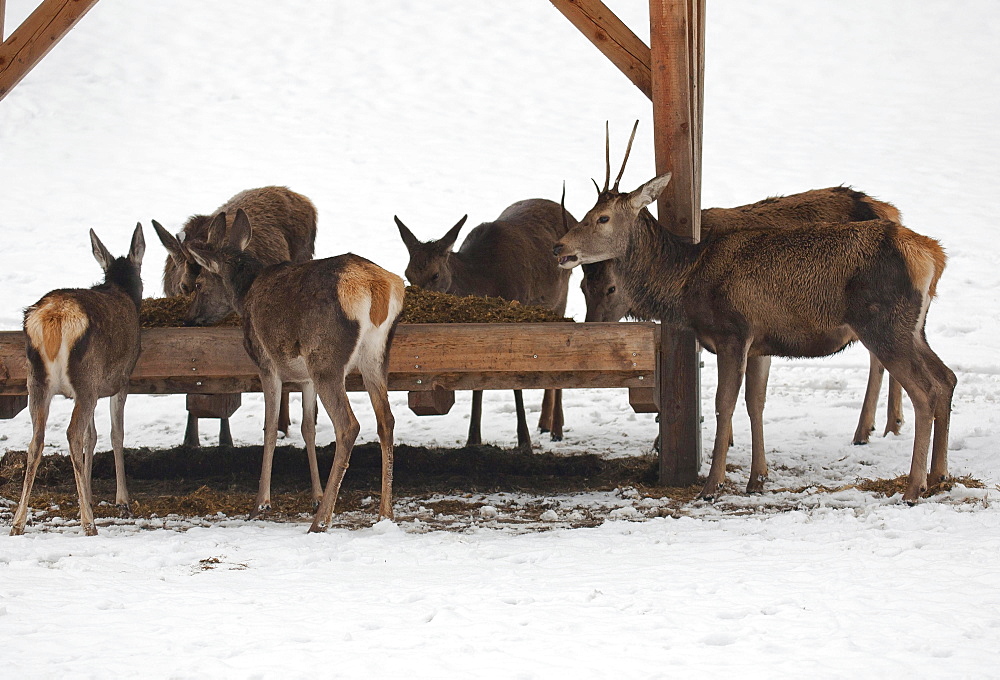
[[803, 275]]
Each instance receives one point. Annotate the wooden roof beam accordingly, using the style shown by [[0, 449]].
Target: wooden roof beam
[[612, 37], [33, 39]]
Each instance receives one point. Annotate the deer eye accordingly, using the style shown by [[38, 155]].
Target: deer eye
[[603, 218], [611, 290], [435, 277]]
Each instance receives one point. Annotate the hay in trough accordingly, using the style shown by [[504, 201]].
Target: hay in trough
[[419, 306]]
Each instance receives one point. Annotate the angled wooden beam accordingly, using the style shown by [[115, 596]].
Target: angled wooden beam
[[676, 47], [38, 34], [612, 37]]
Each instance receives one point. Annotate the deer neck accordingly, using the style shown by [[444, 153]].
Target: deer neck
[[655, 269], [465, 276], [243, 272], [124, 276]]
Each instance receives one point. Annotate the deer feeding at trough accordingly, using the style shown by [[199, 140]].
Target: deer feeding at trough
[[798, 292], [508, 258], [284, 230], [606, 301], [83, 344], [312, 323]]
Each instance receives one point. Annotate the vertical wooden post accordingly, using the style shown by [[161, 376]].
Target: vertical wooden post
[[676, 50]]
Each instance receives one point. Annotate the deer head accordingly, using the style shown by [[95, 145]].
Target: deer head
[[428, 267], [221, 284], [183, 270], [603, 231]]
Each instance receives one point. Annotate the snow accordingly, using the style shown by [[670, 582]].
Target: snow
[[437, 109]]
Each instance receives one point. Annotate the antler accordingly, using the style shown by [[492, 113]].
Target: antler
[[628, 150], [607, 156]]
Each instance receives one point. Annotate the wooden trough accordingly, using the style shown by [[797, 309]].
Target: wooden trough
[[429, 361]]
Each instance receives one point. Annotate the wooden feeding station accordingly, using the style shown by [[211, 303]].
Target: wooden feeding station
[[658, 364]]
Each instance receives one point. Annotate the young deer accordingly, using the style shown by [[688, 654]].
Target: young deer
[[606, 301], [83, 344], [508, 258], [312, 323], [284, 230], [798, 292]]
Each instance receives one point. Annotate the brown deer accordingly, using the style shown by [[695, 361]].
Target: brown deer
[[285, 229], [312, 323], [798, 292], [83, 344], [607, 302], [508, 258]]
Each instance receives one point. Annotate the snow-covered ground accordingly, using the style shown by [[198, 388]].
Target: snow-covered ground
[[435, 109]]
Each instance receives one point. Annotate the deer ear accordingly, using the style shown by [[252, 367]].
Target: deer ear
[[217, 229], [409, 240], [449, 239], [204, 257], [138, 247], [241, 232], [101, 253], [170, 242], [648, 192]]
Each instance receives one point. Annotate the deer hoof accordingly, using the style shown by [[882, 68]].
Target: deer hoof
[[261, 509], [318, 528], [124, 510], [756, 484]]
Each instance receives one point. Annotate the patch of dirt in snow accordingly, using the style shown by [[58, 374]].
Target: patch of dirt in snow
[[435, 489]]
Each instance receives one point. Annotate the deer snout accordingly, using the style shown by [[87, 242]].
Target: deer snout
[[565, 261]]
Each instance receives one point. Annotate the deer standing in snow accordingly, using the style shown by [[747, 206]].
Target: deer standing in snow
[[606, 301], [508, 258], [83, 344], [799, 292], [312, 323], [284, 230]]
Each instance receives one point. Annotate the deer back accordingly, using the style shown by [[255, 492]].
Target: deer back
[[509, 257], [87, 340], [606, 299], [284, 229], [318, 313]]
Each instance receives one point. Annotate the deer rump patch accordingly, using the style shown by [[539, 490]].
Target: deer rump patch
[[56, 321], [363, 287]]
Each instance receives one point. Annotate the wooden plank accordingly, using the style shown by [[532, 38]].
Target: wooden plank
[[423, 357], [676, 49], [644, 399], [12, 404], [213, 405], [612, 37], [38, 34], [435, 402]]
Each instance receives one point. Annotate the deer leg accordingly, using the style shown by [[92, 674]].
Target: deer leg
[[557, 416], [77, 434], [894, 415], [376, 386], [309, 435], [225, 434], [475, 438], [866, 422], [545, 418], [942, 415], [118, 446], [38, 406], [271, 386], [338, 406], [523, 434], [191, 439], [732, 363], [284, 418], [89, 444], [757, 372]]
